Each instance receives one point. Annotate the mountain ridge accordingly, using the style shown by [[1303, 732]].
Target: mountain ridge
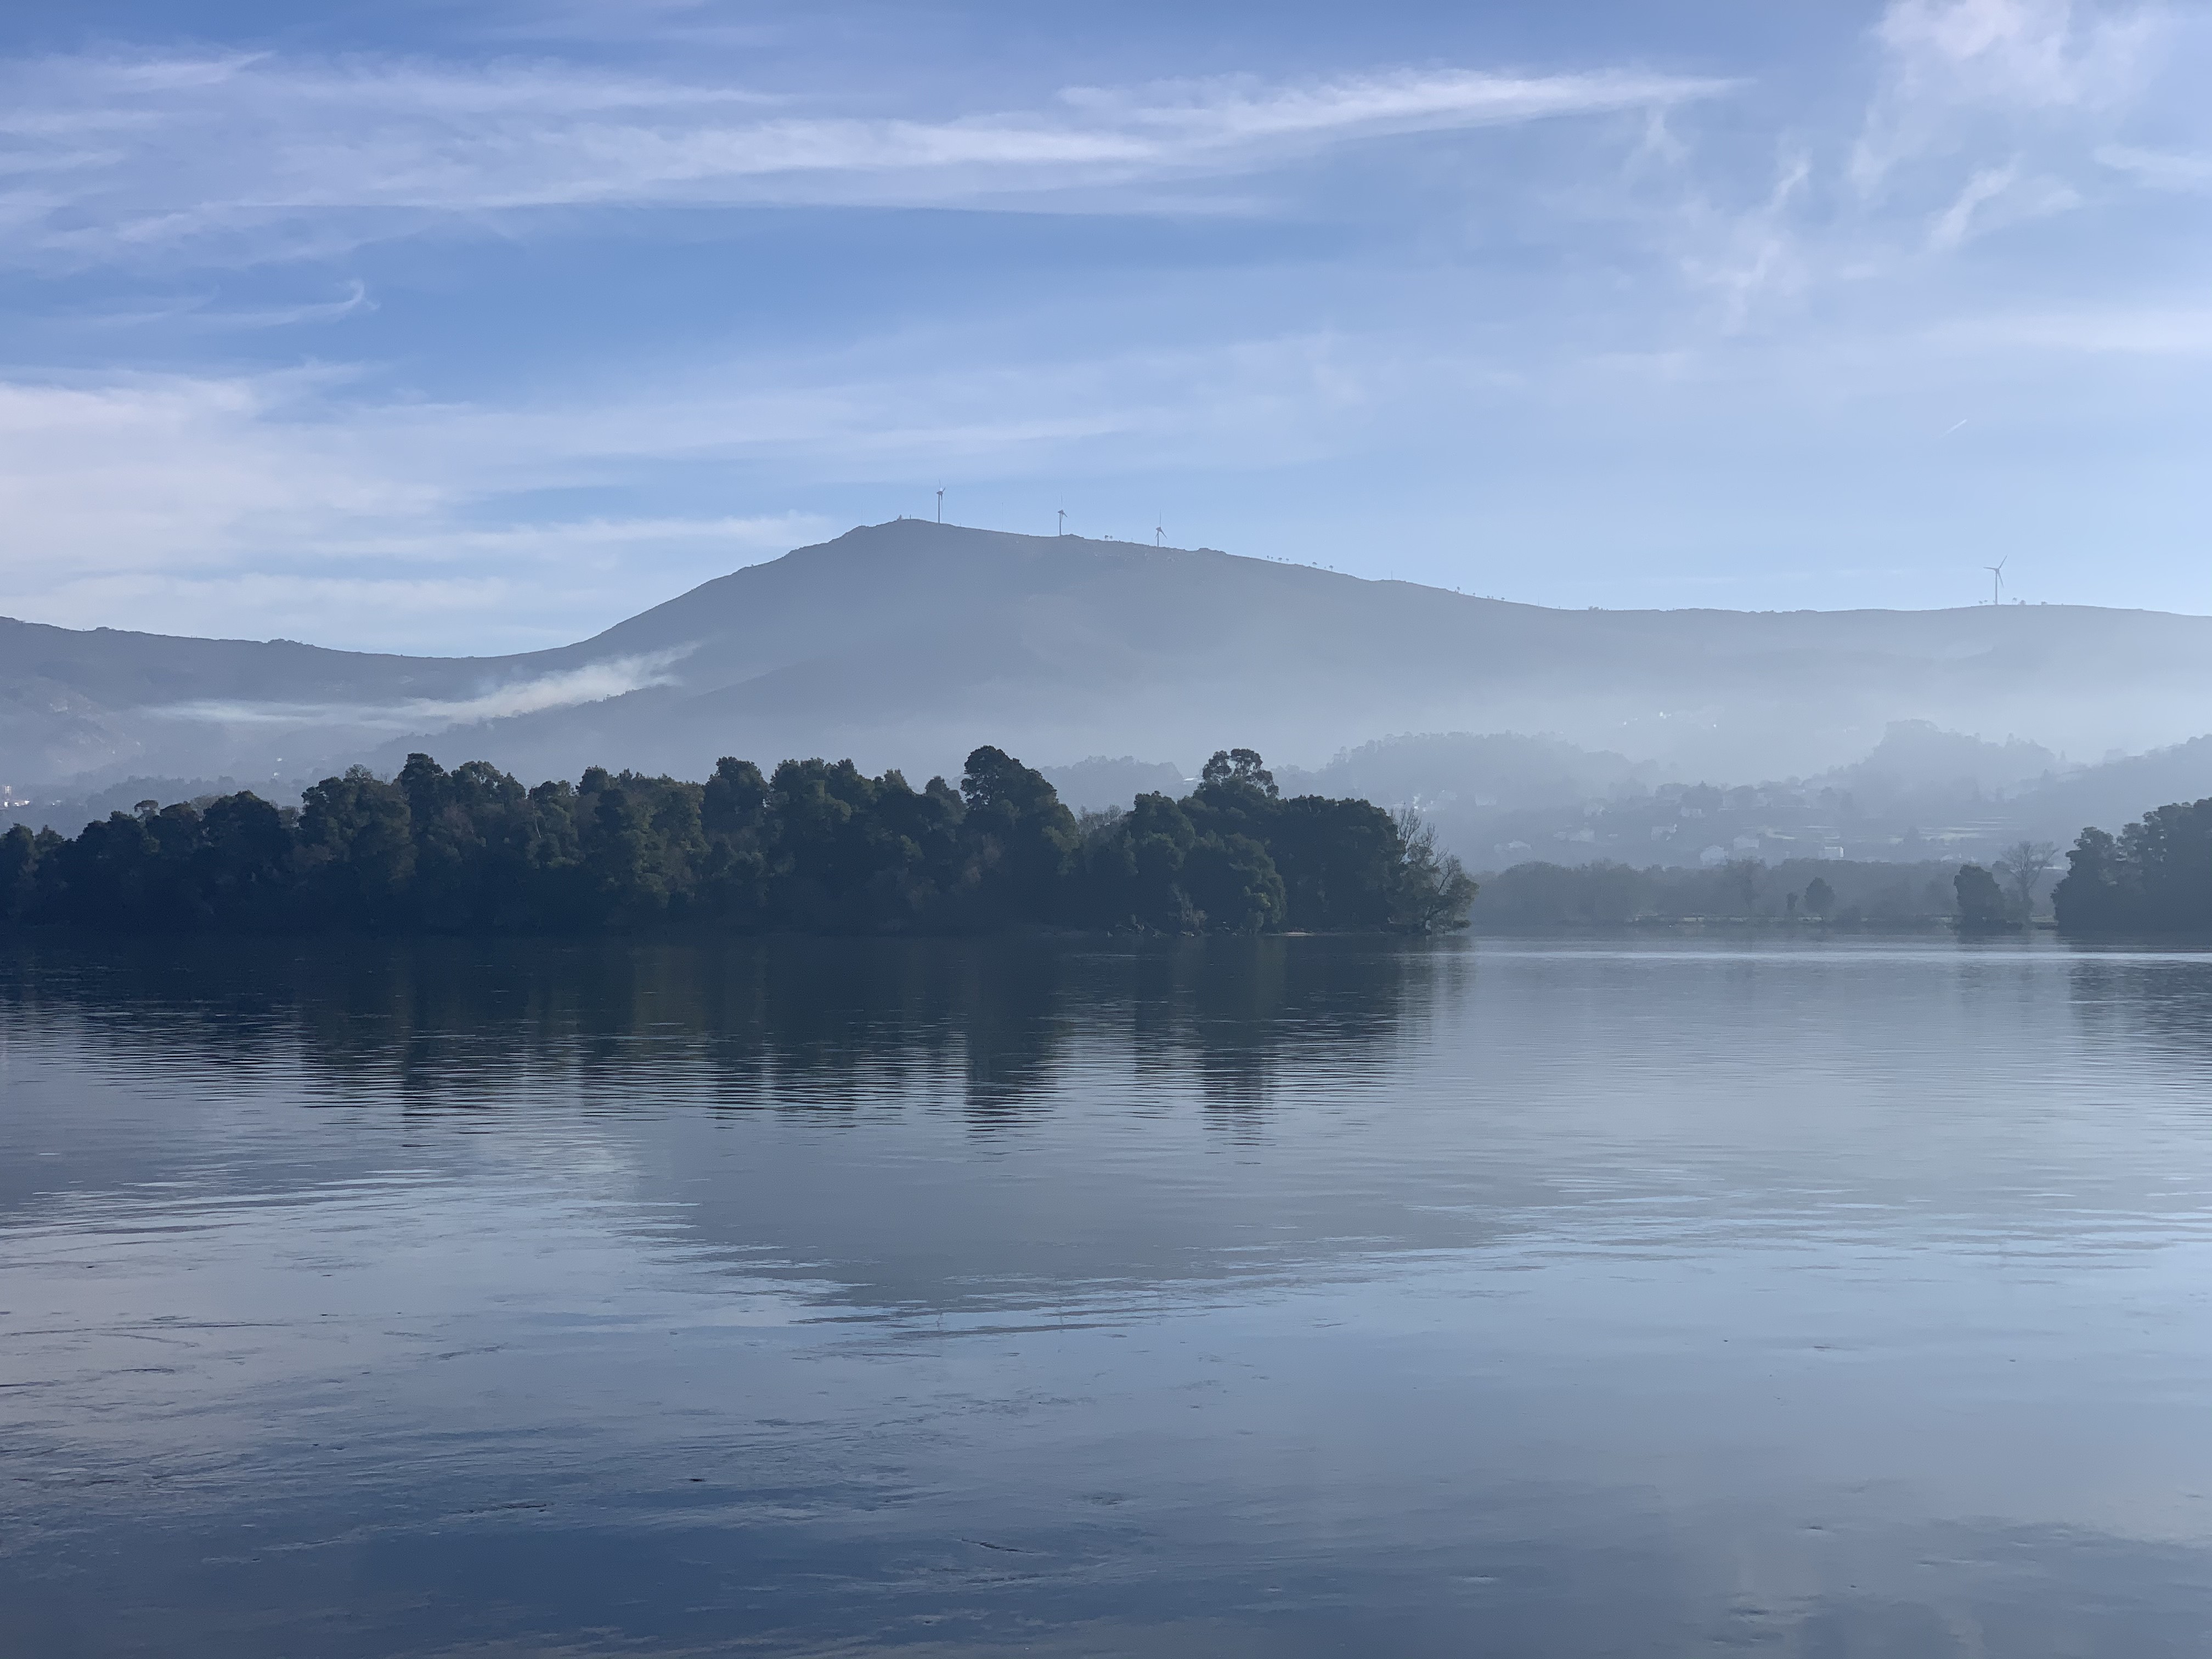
[[908, 643]]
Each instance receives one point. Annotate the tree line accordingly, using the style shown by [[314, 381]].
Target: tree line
[[815, 846], [1536, 895], [2153, 877]]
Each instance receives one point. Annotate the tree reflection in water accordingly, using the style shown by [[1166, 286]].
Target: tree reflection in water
[[790, 1024]]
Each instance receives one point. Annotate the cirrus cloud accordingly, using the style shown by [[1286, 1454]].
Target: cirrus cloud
[[103, 157]]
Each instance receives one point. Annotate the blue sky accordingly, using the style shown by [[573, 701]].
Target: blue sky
[[472, 328]]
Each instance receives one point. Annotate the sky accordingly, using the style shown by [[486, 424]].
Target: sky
[[474, 328]]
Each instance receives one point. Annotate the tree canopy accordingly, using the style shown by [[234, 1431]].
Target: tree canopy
[[1981, 901], [2154, 877], [816, 847]]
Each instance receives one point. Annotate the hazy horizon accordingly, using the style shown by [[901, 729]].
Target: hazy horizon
[[644, 671], [1521, 732]]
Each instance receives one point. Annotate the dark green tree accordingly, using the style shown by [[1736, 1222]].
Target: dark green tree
[[1429, 888], [625, 866], [1240, 768], [844, 856], [1232, 885], [21, 851], [2156, 876], [1131, 870], [1342, 863], [244, 871], [356, 851], [1981, 901], [1019, 841]]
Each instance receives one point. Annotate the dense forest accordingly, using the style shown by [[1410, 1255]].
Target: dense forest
[[816, 847], [2154, 877]]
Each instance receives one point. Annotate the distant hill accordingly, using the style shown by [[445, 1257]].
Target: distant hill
[[1101, 781], [1921, 792], [1917, 761], [1441, 770], [907, 643], [93, 707], [2111, 795]]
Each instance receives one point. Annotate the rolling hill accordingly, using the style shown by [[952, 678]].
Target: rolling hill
[[907, 643]]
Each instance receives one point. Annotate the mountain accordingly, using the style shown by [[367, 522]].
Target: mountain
[[84, 706], [2111, 795], [907, 643]]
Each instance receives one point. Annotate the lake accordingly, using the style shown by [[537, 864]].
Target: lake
[[1276, 1297]]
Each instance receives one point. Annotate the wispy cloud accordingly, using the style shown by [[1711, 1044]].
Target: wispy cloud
[[2160, 169], [1997, 196], [1981, 116], [593, 682], [125, 470], [2133, 331], [101, 156], [201, 313], [1957, 70], [290, 503], [1185, 119], [1756, 255]]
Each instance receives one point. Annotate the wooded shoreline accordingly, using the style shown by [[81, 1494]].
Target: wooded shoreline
[[814, 848]]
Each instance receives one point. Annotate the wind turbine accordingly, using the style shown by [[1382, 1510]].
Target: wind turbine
[[940, 503], [1063, 521], [1997, 576], [1158, 530]]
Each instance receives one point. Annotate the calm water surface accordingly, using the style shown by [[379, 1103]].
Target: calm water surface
[[1285, 1298]]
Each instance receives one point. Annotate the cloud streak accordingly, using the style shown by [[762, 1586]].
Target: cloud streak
[[596, 682], [103, 157], [2152, 332]]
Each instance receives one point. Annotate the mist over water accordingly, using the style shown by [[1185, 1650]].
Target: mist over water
[[1287, 1295]]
